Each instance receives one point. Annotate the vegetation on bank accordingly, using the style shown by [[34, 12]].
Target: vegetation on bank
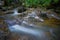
[[49, 4], [32, 3], [43, 3]]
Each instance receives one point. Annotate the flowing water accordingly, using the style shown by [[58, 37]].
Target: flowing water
[[22, 28]]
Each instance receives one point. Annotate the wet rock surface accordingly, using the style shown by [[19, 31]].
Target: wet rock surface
[[30, 21]]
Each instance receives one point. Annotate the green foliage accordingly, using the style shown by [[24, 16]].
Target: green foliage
[[55, 1], [7, 2], [44, 3], [32, 3]]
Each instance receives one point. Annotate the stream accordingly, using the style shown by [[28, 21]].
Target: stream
[[21, 27]]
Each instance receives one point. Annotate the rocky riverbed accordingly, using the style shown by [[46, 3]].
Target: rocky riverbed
[[39, 19]]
